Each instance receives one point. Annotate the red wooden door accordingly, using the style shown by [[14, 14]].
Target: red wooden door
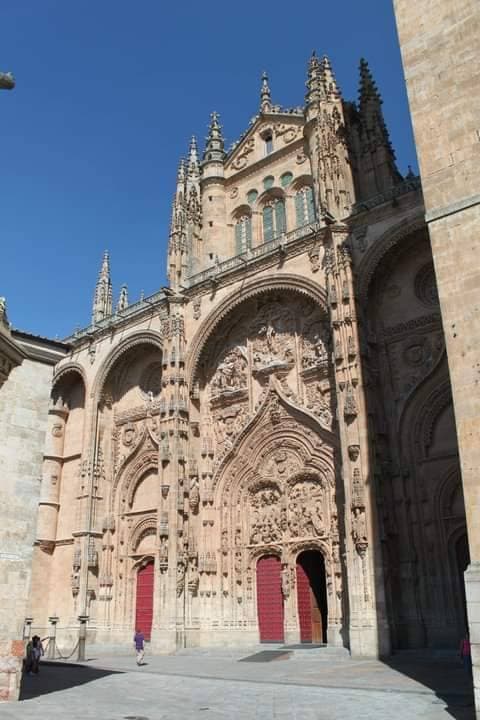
[[144, 605], [310, 575], [270, 599], [304, 605]]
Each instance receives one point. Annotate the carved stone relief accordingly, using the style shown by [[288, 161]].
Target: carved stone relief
[[283, 337], [412, 357], [273, 339], [425, 285], [266, 515], [230, 378], [306, 511]]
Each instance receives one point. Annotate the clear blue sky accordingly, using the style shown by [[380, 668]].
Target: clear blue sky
[[108, 94]]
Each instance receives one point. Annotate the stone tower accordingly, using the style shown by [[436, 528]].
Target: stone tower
[[439, 44]]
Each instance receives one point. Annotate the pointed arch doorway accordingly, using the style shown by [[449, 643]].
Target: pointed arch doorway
[[144, 599], [269, 599], [312, 597]]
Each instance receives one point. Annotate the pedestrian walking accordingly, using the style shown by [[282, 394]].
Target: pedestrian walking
[[466, 653], [34, 652], [139, 642]]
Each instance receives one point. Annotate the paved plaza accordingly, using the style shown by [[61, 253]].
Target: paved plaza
[[212, 685]]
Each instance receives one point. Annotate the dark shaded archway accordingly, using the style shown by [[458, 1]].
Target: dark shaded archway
[[312, 597]]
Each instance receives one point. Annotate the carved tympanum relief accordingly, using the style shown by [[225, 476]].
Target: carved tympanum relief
[[273, 335]]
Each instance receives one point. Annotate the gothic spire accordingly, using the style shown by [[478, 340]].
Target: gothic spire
[[181, 173], [215, 146], [329, 82], [265, 95], [122, 303], [102, 300], [314, 80], [370, 108], [193, 170], [368, 92]]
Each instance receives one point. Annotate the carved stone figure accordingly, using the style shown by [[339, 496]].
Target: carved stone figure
[[350, 409], [273, 343], [265, 523], [227, 424], [358, 491], [193, 579], [306, 513], [231, 374], [319, 403], [180, 577], [194, 498], [285, 580], [359, 530], [314, 347]]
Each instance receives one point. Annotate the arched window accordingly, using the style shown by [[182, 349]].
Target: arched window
[[268, 182], [268, 140], [286, 179], [252, 196], [274, 221], [243, 234], [304, 206]]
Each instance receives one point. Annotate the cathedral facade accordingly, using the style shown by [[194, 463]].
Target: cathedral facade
[[265, 450]]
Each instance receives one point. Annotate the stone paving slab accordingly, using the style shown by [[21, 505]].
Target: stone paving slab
[[170, 687]]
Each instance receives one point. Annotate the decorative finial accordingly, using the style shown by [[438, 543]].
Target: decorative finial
[[215, 146], [193, 169], [368, 88], [102, 300], [314, 80], [122, 303], [330, 86], [265, 95], [3, 311], [181, 171]]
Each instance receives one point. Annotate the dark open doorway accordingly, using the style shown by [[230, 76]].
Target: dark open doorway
[[312, 597]]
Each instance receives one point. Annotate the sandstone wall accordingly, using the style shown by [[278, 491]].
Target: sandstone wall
[[440, 50], [23, 417]]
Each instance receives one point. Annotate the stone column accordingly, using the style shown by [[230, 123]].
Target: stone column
[[52, 473], [369, 633], [170, 569], [441, 58]]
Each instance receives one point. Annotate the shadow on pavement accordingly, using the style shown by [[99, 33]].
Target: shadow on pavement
[[445, 676], [58, 676]]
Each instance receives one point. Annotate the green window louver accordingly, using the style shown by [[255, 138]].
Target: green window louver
[[310, 205], [248, 232], [238, 238], [299, 209], [267, 223], [304, 206], [243, 235], [280, 220], [252, 196], [286, 179]]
